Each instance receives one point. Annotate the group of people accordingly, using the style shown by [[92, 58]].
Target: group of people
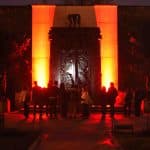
[[134, 97], [132, 100], [76, 101], [70, 103], [108, 98]]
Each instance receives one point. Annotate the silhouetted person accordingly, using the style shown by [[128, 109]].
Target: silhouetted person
[[53, 92], [27, 104], [36, 95], [139, 96], [85, 102], [63, 100], [112, 94], [45, 100], [103, 99], [128, 101], [74, 101]]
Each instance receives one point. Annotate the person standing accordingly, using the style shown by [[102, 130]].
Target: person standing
[[112, 94], [74, 102], [103, 100], [53, 95], [27, 103], [36, 96], [63, 100], [140, 94], [128, 100], [85, 102]]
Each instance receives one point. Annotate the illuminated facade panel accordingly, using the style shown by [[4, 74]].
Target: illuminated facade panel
[[42, 20], [106, 17]]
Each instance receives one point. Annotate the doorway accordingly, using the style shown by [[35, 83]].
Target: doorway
[[75, 57]]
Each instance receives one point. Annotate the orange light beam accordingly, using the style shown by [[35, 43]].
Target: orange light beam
[[106, 17], [42, 21]]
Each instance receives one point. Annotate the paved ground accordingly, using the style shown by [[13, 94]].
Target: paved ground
[[94, 133]]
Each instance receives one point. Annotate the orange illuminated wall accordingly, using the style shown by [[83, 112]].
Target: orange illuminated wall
[[42, 21], [106, 18]]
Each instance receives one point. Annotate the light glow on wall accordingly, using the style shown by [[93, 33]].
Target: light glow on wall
[[42, 21], [71, 70], [106, 17]]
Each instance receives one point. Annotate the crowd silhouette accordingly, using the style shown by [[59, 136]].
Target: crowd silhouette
[[76, 101]]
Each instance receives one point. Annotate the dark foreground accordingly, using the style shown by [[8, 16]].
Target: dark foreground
[[94, 133]]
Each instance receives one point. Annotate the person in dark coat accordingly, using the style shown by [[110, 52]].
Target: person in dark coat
[[63, 100], [112, 94], [103, 99], [140, 94], [53, 95], [86, 101], [27, 104], [36, 96], [128, 101]]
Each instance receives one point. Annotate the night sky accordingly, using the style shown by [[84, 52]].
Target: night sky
[[118, 2]]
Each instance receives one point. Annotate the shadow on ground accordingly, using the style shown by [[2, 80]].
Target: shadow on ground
[[14, 139], [139, 141]]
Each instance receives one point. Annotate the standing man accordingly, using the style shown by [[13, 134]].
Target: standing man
[[112, 94], [140, 94], [103, 99], [128, 101], [53, 93], [36, 96]]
